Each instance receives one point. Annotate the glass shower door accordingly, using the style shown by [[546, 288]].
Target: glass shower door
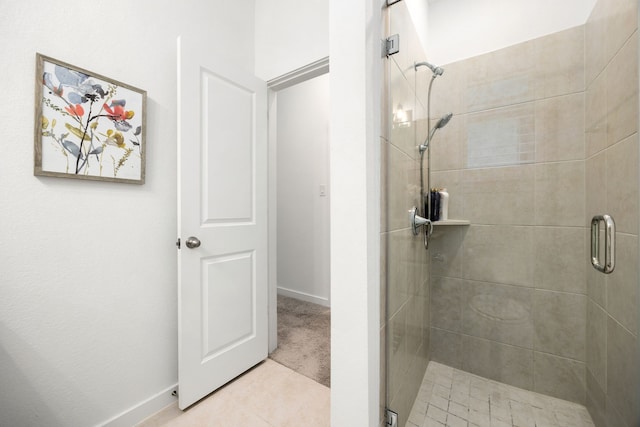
[[544, 137], [405, 331]]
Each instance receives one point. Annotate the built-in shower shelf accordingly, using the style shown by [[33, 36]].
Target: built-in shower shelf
[[452, 222]]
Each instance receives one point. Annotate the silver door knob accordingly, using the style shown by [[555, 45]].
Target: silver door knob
[[192, 242]]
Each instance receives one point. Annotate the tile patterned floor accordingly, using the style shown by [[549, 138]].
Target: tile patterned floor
[[454, 398], [269, 395]]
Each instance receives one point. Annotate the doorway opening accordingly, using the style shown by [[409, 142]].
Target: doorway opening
[[299, 194]]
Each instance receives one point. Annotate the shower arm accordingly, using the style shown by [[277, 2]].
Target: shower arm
[[437, 71]]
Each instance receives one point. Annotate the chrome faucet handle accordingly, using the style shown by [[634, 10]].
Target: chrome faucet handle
[[416, 221]]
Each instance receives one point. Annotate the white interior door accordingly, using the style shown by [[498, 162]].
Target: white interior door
[[222, 204]]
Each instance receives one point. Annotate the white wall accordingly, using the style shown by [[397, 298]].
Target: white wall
[[460, 29], [302, 168], [87, 269], [290, 34], [419, 11], [355, 84]]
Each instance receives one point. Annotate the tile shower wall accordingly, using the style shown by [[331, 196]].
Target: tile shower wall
[[513, 296], [405, 274], [611, 46], [508, 293]]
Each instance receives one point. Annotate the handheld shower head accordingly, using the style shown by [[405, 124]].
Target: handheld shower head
[[443, 121], [439, 124], [437, 71]]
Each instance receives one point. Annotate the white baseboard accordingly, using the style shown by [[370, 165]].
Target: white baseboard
[[144, 409], [304, 296]]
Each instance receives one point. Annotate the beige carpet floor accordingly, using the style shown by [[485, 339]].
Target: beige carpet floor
[[304, 338]]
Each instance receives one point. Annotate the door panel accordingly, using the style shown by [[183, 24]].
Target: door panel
[[228, 289], [228, 150], [222, 174]]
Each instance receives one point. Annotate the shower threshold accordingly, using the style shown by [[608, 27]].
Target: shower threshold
[[451, 397]]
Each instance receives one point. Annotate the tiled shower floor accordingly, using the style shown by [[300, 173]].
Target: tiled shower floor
[[450, 397]]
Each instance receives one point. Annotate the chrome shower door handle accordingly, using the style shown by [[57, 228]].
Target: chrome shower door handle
[[609, 243]]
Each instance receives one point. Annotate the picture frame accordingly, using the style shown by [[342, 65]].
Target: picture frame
[[87, 126]]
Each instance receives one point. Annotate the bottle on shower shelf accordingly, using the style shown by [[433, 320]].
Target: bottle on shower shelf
[[435, 204], [444, 204]]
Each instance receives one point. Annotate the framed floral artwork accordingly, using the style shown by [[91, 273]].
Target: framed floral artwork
[[87, 126]]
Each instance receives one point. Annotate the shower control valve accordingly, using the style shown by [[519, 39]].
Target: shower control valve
[[416, 221]]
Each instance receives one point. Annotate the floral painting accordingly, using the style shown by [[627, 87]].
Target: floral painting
[[87, 126]]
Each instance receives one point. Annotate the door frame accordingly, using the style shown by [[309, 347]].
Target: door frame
[[275, 85]]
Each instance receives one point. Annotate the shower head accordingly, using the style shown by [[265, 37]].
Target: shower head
[[437, 71], [443, 121], [439, 124]]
